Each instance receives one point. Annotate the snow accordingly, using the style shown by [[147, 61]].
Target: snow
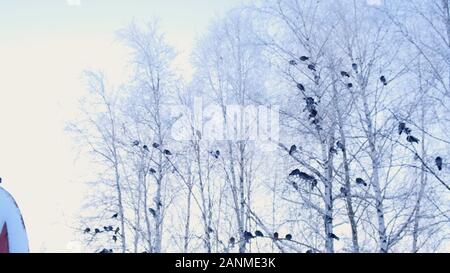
[[10, 214]]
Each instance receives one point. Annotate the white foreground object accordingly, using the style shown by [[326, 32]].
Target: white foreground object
[[13, 235]]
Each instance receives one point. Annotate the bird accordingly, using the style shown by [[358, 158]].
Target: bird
[[408, 130], [360, 181], [114, 237], [345, 74], [301, 175], [401, 127], [438, 161], [105, 228], [217, 154], [383, 80], [293, 149], [145, 147], [135, 143], [301, 86], [340, 145], [295, 186], [344, 191], [288, 237], [333, 236], [106, 251], [210, 230], [97, 231], [350, 85], [248, 235], [313, 113], [167, 152], [259, 233], [355, 67], [275, 235], [155, 145], [152, 211], [87, 230], [313, 184], [115, 215], [295, 172], [304, 58], [310, 101], [309, 251], [333, 150], [312, 67], [117, 230], [293, 62], [152, 170], [412, 139], [110, 228], [232, 241]]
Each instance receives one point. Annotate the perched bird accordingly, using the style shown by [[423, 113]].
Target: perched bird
[[355, 67], [383, 80], [288, 237], [340, 145], [313, 184], [301, 86], [106, 251], [97, 231], [312, 67], [295, 186], [152, 211], [310, 101], [210, 230], [275, 235], [110, 228], [259, 233], [401, 127], [344, 191], [407, 130], [232, 241], [155, 145], [313, 113], [333, 150], [114, 237], [301, 175], [248, 235], [412, 139], [345, 74], [217, 154], [117, 230], [135, 143], [293, 62], [87, 230], [349, 85], [145, 147], [167, 152], [293, 149], [152, 170], [438, 161], [115, 215], [309, 251], [304, 58], [105, 228], [360, 181], [333, 236]]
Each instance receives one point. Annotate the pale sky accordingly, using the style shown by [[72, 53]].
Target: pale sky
[[44, 47]]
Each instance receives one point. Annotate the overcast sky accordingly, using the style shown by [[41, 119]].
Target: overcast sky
[[44, 47]]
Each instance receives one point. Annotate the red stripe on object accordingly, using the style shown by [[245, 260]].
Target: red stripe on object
[[4, 243]]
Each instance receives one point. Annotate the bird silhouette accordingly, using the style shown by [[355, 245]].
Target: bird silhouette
[[259, 233], [248, 235], [275, 235], [360, 181], [155, 145], [152, 211], [350, 85], [97, 231], [87, 230], [293, 149], [301, 86], [383, 80], [293, 62], [115, 215], [401, 127], [344, 191], [345, 74], [288, 237], [333, 236], [117, 230], [355, 67], [304, 58], [412, 139], [439, 161], [167, 152], [340, 145], [312, 67], [135, 143], [114, 237], [152, 170], [232, 241], [145, 147], [309, 251]]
